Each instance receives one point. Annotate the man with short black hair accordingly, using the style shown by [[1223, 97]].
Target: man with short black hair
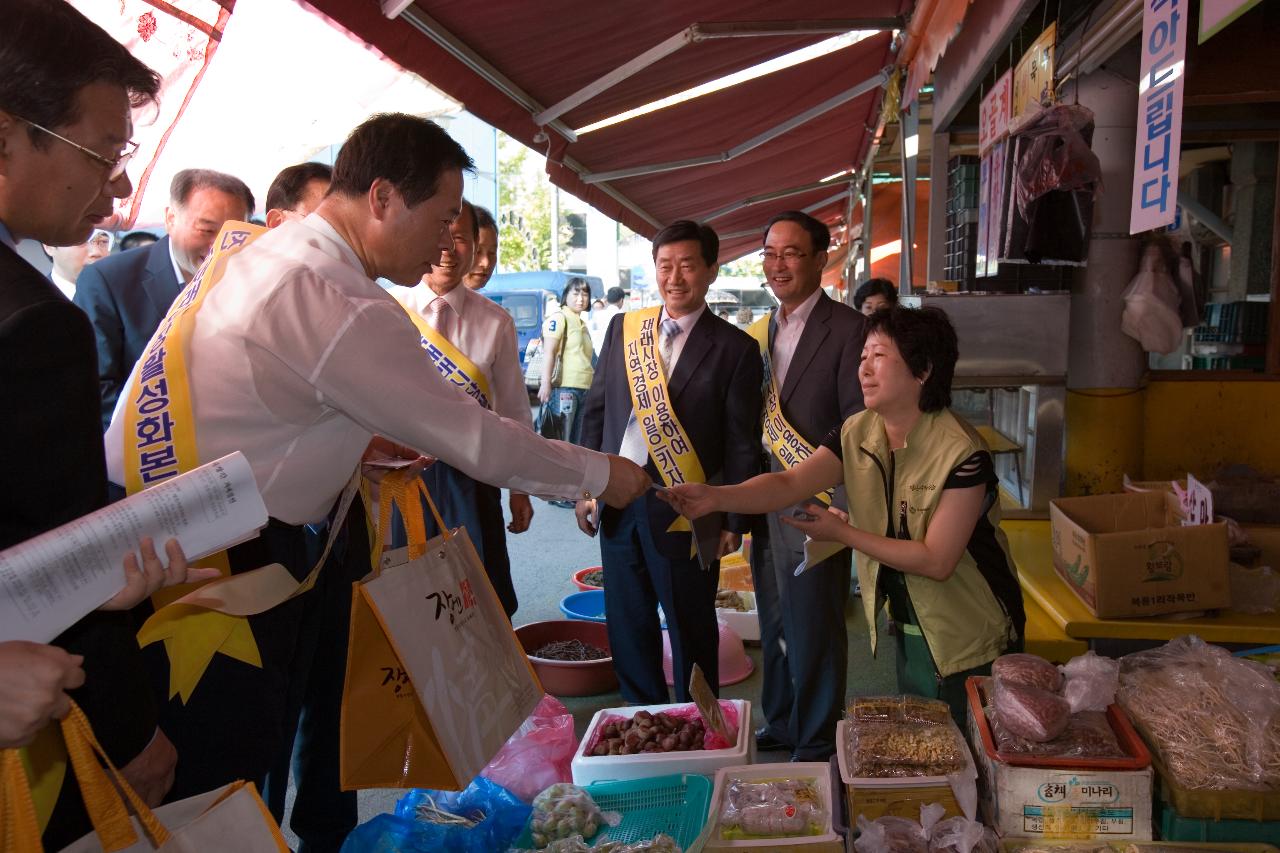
[[68, 261], [676, 389], [297, 191], [297, 358], [486, 254], [811, 346], [599, 323], [126, 296]]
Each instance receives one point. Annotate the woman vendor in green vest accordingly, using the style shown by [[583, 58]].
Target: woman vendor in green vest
[[924, 510]]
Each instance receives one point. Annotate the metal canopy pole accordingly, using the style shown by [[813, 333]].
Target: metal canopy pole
[[847, 274], [909, 123], [696, 33], [751, 144], [868, 207], [772, 196]]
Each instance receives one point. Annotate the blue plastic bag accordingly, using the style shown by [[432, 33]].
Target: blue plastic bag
[[504, 816]]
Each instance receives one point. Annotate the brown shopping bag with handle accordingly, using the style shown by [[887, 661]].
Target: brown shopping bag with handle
[[231, 818], [436, 680]]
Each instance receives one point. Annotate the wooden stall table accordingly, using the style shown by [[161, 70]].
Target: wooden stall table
[[1044, 590]]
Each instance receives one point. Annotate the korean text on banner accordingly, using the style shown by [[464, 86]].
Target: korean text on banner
[[1157, 149], [994, 111]]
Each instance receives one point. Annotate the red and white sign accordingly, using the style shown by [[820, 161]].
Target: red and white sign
[[994, 111], [1159, 143]]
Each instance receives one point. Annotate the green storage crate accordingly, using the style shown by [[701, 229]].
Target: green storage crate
[[1175, 827]]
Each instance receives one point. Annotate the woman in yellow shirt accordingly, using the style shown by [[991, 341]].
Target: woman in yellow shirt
[[567, 343]]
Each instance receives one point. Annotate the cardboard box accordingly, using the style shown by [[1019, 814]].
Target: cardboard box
[[1048, 803], [1127, 555]]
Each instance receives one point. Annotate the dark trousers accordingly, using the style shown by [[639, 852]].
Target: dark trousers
[[804, 640], [637, 578], [323, 814], [237, 718], [463, 502]]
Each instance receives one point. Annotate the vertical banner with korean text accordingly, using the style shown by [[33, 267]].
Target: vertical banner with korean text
[[993, 127], [1159, 140]]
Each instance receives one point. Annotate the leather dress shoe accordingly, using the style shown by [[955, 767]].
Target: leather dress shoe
[[766, 742]]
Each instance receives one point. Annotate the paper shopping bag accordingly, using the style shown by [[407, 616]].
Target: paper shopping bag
[[436, 680], [230, 818]]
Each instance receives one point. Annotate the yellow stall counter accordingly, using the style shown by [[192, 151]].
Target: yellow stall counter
[[1033, 553]]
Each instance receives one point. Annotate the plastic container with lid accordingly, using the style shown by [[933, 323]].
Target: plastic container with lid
[[828, 841]]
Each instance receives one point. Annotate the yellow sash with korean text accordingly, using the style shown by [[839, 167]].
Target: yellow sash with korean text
[[453, 364], [786, 443], [668, 444]]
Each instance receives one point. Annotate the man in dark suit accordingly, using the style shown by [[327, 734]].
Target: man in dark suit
[[127, 295], [63, 150], [814, 348], [713, 378]]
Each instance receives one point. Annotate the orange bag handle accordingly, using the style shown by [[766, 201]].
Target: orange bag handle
[[402, 488], [107, 796]]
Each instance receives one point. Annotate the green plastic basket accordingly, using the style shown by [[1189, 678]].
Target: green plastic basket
[[677, 805]]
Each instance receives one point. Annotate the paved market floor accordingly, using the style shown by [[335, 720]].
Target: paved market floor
[[544, 558]]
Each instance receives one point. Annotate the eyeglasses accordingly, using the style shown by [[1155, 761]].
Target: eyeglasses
[[788, 255], [116, 165]]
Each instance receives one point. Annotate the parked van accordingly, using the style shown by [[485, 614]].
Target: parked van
[[553, 280], [527, 309]]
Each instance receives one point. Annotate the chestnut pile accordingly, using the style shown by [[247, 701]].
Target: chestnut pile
[[646, 732]]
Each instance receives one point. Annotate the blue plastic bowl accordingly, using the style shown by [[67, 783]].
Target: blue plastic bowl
[[587, 605]]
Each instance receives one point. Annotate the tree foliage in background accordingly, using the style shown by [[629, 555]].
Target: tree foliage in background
[[748, 266], [525, 196]]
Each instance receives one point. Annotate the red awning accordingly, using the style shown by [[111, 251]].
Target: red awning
[[511, 60]]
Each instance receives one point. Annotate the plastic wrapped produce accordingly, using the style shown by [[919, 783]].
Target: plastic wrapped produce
[[961, 835], [1088, 735], [1213, 719], [898, 709], [1091, 682], [1028, 670], [880, 749], [890, 835], [1029, 712], [1063, 847], [771, 808], [660, 843], [563, 811]]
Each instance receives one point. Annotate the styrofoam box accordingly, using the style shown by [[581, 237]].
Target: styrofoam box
[[819, 771], [745, 623], [963, 785], [1031, 801], [620, 768]]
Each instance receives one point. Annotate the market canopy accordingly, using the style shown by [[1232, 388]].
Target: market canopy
[[544, 72]]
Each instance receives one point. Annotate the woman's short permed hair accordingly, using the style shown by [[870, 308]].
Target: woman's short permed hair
[[927, 342]]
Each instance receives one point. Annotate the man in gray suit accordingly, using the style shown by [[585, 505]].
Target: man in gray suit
[[813, 348], [127, 295]]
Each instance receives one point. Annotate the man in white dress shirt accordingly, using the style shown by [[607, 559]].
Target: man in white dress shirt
[[297, 359], [485, 334]]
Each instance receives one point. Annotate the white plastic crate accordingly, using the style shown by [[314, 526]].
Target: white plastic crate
[[745, 623], [819, 771], [604, 768]]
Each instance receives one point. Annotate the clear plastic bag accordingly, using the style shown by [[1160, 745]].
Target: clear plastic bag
[[879, 749], [898, 709], [1026, 669], [488, 818], [1063, 847], [1029, 712], [1213, 718], [660, 843], [890, 835], [771, 808], [1253, 590], [1091, 682], [1151, 305], [563, 811], [961, 835], [1088, 735], [539, 754]]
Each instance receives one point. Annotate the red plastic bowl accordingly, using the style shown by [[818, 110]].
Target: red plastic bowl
[[570, 678], [582, 585]]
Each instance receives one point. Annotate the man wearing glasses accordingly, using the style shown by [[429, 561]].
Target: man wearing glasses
[[68, 261], [812, 346], [126, 296]]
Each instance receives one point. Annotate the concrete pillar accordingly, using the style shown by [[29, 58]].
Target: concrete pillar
[[938, 156], [1105, 366], [1253, 181]]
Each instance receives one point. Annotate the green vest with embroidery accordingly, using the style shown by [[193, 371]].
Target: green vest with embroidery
[[962, 621]]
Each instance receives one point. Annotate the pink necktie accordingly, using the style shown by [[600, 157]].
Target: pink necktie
[[439, 316]]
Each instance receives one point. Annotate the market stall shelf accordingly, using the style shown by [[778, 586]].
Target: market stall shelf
[[1029, 542]]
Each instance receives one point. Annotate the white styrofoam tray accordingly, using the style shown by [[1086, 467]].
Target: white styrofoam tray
[[819, 771], [745, 623], [620, 768]]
